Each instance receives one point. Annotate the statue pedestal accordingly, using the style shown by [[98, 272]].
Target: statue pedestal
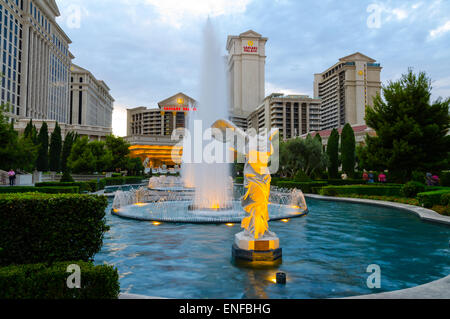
[[264, 249]]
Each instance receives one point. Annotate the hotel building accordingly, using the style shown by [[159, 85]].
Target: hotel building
[[90, 101], [346, 89], [36, 68], [35, 61], [293, 115]]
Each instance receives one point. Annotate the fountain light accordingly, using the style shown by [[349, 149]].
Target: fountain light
[[156, 223], [285, 220], [230, 225], [140, 204], [281, 278]]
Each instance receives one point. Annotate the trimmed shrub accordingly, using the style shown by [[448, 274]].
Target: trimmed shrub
[[429, 199], [133, 179], [339, 182], [301, 177], [445, 178], [371, 190], [239, 180], [112, 181], [39, 281], [445, 199], [67, 178], [411, 189], [43, 228], [83, 186], [46, 190], [305, 187]]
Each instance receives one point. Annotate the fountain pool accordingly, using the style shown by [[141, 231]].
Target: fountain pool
[[326, 255]]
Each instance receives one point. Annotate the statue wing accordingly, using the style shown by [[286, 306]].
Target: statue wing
[[227, 132]]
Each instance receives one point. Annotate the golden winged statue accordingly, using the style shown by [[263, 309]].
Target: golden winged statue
[[257, 150]]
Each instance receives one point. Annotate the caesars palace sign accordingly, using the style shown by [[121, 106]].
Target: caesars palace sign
[[250, 47]]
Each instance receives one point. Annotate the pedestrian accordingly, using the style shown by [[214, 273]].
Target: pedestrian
[[12, 177], [382, 178], [371, 178], [365, 177], [344, 176], [429, 179], [435, 179]]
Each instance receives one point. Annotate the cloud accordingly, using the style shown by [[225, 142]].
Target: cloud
[[439, 31], [174, 12], [119, 120], [273, 88]]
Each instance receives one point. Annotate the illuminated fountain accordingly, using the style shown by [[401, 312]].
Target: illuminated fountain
[[213, 198]]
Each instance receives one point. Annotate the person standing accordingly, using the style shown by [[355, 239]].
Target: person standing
[[365, 176], [12, 177], [382, 178]]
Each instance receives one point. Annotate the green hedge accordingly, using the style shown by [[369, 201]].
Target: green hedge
[[46, 190], [39, 281], [47, 228], [84, 187], [429, 199], [113, 181], [305, 187], [341, 182], [372, 190]]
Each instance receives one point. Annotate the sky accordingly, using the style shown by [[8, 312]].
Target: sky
[[148, 50]]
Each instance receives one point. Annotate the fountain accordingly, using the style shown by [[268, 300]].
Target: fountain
[[205, 192]]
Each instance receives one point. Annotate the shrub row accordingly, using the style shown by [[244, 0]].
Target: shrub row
[[40, 281], [305, 187], [44, 228], [341, 182], [372, 190], [112, 181], [46, 190], [429, 199], [84, 187]]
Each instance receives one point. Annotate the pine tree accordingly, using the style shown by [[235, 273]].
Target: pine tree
[[67, 148], [333, 154], [348, 155], [55, 149], [411, 130], [42, 160]]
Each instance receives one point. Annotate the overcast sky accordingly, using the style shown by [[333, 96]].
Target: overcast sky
[[148, 50]]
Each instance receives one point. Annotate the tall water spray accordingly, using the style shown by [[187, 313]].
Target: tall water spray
[[211, 180]]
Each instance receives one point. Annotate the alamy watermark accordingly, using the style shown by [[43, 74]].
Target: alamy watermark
[[374, 19], [374, 280], [74, 280]]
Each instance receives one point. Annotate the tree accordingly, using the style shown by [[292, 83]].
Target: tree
[[42, 159], [103, 156], [120, 151], [304, 155], [16, 152], [135, 167], [411, 130], [67, 148], [348, 152], [55, 149], [333, 154], [81, 159]]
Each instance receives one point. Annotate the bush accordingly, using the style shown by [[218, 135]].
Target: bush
[[67, 178], [43, 228], [445, 178], [429, 199], [39, 281], [411, 189], [339, 182], [239, 180], [445, 199], [133, 179], [418, 177], [112, 181], [46, 190], [301, 177], [305, 187], [371, 190], [83, 186]]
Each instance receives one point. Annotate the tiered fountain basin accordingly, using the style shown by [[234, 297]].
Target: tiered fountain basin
[[179, 212]]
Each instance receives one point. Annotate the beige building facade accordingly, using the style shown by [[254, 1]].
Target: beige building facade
[[90, 104], [346, 89], [293, 115], [36, 61], [246, 68]]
